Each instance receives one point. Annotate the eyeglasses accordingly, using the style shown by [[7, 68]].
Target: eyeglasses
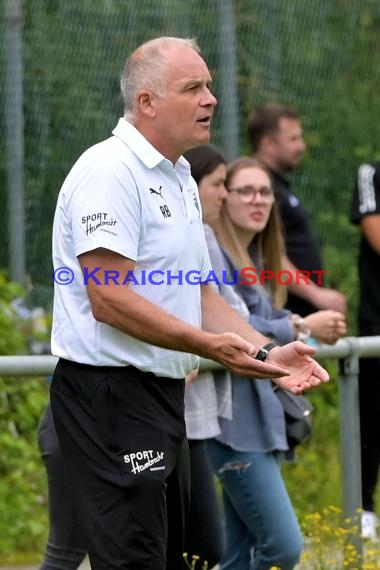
[[247, 193]]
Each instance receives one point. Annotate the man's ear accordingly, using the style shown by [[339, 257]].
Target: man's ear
[[145, 99], [267, 144]]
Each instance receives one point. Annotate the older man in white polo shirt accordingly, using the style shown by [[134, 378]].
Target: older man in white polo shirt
[[128, 217]]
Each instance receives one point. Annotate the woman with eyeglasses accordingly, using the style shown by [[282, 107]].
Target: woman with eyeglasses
[[261, 527], [249, 229]]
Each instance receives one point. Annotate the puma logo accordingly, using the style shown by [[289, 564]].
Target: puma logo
[[158, 192]]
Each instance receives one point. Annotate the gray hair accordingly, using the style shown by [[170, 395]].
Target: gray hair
[[146, 69]]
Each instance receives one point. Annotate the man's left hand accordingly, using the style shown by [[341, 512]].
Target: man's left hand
[[305, 372]]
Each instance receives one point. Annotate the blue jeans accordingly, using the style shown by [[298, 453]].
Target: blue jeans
[[261, 527]]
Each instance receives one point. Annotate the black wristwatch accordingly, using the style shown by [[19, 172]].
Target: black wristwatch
[[264, 351]]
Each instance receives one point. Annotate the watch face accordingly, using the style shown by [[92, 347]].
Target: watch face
[[262, 354]]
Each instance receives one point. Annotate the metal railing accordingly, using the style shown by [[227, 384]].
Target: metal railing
[[347, 350]]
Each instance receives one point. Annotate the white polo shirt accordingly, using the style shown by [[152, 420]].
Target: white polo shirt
[[123, 195]]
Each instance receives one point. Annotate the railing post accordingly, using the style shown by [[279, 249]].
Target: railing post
[[350, 449]]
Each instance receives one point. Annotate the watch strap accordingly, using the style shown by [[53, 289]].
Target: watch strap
[[262, 353]]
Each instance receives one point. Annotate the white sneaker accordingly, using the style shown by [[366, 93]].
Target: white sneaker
[[369, 524]]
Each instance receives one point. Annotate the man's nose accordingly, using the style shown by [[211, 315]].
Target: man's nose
[[214, 99], [302, 145], [209, 99]]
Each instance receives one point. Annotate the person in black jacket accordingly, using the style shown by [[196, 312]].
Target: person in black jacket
[[365, 212], [276, 137]]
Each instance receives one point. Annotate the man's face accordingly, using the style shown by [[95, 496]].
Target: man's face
[[287, 145], [183, 114]]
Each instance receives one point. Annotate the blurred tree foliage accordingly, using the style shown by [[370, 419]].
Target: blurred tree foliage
[[22, 479]]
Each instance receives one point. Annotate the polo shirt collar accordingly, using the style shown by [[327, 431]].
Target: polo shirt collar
[[142, 148], [138, 144]]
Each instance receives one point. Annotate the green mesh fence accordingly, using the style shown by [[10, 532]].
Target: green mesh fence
[[321, 57]]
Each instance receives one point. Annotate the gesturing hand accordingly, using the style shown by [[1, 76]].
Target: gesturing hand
[[237, 354], [304, 372]]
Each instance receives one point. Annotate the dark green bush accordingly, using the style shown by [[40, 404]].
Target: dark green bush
[[22, 478]]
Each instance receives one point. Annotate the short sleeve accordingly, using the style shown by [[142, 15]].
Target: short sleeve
[[104, 208], [366, 197]]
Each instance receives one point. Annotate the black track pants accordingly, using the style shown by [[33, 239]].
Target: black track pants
[[369, 401], [122, 436]]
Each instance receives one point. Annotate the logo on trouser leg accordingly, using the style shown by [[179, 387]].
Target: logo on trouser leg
[[141, 460]]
